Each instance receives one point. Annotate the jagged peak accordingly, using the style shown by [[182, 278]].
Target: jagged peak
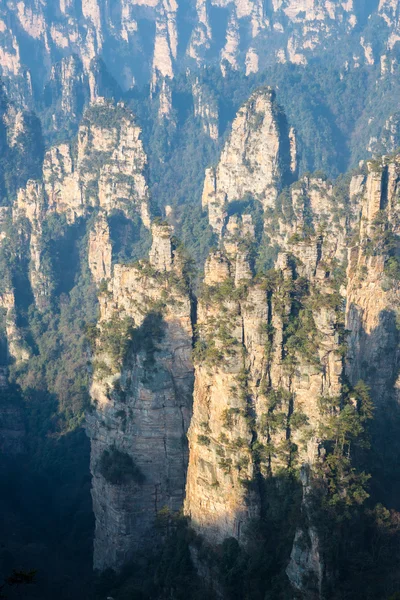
[[262, 94], [217, 268], [161, 254], [380, 193], [256, 159]]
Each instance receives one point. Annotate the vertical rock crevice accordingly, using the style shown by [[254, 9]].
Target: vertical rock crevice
[[142, 401]]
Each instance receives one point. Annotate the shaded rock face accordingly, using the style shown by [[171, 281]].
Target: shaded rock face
[[142, 401], [16, 349], [206, 108], [12, 430], [67, 91], [13, 347], [21, 146], [12, 426], [255, 160], [306, 567]]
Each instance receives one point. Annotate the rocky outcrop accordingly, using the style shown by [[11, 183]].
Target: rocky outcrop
[[373, 293], [100, 250], [105, 170], [255, 161], [142, 397], [111, 162], [206, 108], [268, 350]]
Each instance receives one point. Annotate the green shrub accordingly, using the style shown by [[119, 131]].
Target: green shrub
[[226, 465], [203, 440], [119, 468], [392, 269]]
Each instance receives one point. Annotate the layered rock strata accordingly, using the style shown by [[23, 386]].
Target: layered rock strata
[[142, 399], [104, 170], [268, 349], [373, 293], [255, 161]]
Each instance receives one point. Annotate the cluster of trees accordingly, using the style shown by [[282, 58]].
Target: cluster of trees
[[119, 468]]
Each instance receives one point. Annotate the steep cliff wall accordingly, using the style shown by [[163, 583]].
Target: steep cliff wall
[[269, 348], [255, 160], [104, 169], [100, 250], [373, 287], [142, 398], [270, 376], [220, 438], [206, 108]]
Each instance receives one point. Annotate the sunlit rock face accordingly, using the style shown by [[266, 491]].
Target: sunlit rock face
[[373, 295], [254, 162], [244, 360], [251, 369]]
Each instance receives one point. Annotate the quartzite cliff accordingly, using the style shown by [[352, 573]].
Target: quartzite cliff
[[206, 390]]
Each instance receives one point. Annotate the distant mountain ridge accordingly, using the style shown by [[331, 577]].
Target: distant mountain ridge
[[144, 41]]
